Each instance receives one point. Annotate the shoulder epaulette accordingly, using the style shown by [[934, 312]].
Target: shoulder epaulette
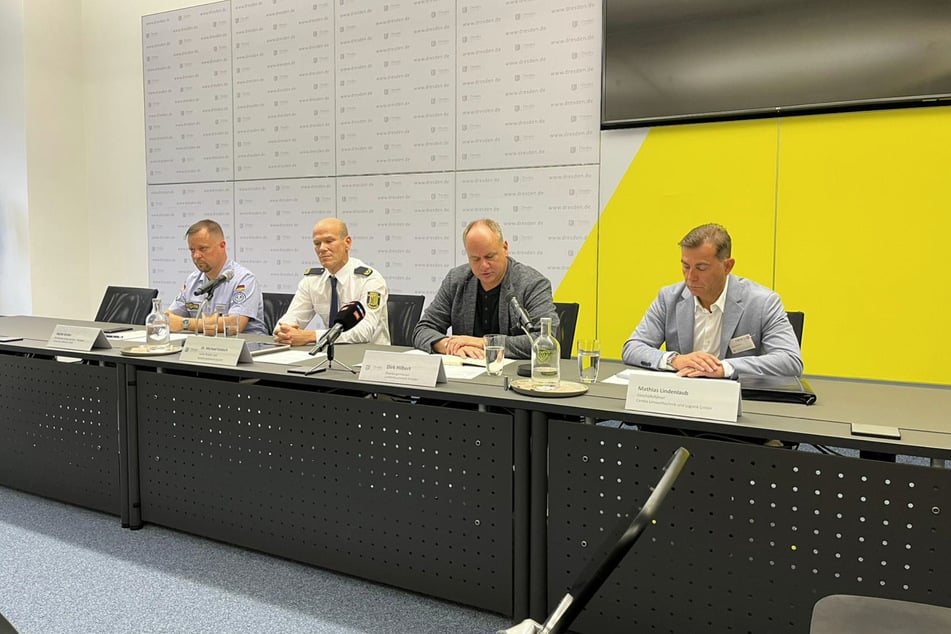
[[365, 271], [316, 270]]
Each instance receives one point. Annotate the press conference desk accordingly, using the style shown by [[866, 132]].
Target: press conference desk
[[479, 495]]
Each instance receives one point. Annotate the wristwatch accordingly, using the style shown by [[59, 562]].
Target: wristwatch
[[670, 360], [186, 324]]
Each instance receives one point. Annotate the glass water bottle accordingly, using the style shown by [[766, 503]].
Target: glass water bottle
[[156, 327], [546, 359]]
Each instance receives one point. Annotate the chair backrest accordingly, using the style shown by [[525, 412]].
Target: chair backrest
[[126, 304], [6, 627], [567, 320], [796, 318], [404, 312], [852, 614], [275, 305]]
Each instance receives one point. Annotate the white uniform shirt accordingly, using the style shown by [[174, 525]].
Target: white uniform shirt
[[355, 282]]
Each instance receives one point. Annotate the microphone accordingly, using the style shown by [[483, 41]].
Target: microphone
[[209, 286], [524, 321], [349, 316]]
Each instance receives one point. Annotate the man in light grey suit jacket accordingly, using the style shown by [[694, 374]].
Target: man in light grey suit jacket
[[474, 299], [714, 323]]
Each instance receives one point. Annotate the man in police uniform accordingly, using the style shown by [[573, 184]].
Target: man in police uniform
[[324, 290], [241, 294]]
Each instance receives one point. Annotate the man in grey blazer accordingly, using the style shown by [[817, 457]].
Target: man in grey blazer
[[715, 324], [475, 299]]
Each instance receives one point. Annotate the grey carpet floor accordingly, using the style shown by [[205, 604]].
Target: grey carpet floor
[[67, 569]]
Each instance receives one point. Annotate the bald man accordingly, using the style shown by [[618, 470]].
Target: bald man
[[314, 307], [474, 299]]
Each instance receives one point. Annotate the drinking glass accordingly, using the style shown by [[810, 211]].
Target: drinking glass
[[229, 323], [589, 358], [209, 320], [494, 347]]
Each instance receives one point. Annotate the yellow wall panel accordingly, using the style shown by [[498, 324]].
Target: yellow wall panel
[[684, 176], [864, 222]]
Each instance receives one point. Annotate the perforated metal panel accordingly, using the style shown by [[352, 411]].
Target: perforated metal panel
[[59, 431], [411, 495], [749, 538]]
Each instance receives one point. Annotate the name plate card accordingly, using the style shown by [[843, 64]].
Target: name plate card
[[83, 338], [671, 395], [421, 370], [215, 350]]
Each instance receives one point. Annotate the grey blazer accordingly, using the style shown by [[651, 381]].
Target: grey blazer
[[455, 303], [750, 309]]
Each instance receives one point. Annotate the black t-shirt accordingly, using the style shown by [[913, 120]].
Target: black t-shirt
[[487, 312]]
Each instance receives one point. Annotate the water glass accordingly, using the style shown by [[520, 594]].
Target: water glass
[[229, 323], [494, 347], [589, 358], [209, 320]]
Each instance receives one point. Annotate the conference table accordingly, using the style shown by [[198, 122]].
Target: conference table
[[473, 493]]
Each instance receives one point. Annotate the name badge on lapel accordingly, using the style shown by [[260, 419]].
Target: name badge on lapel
[[741, 344]]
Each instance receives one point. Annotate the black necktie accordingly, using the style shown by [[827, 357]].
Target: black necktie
[[333, 300]]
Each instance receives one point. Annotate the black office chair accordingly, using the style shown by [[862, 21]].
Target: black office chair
[[404, 312], [613, 550], [851, 614], [6, 627], [275, 305], [126, 305], [795, 319], [567, 320]]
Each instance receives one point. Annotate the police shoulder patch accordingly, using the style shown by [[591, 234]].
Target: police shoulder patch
[[365, 271], [373, 300], [317, 270]]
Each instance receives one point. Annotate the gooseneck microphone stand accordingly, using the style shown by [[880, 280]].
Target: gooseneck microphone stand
[[201, 310], [525, 369]]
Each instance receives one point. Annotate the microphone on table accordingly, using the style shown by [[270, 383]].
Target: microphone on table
[[525, 323], [349, 316], [211, 285]]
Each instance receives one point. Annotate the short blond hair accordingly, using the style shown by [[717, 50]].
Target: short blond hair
[[213, 228]]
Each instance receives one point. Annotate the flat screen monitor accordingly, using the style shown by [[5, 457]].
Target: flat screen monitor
[[671, 60]]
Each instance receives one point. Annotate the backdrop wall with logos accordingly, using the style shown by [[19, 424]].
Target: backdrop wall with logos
[[406, 120]]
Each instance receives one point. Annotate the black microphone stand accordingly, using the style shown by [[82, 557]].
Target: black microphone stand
[[330, 360], [325, 364]]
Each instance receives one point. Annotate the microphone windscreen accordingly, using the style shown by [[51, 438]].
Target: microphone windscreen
[[228, 274], [350, 315]]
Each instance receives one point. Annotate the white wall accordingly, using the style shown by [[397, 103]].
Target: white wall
[[58, 238], [115, 146], [72, 175], [14, 220]]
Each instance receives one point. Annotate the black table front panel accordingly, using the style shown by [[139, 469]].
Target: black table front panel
[[415, 496], [749, 538], [59, 431]]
